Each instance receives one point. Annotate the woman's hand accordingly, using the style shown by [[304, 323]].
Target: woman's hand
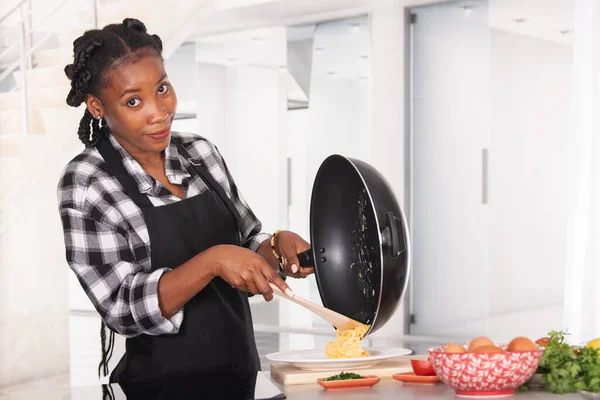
[[245, 270], [288, 245]]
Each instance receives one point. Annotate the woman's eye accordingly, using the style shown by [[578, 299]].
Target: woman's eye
[[133, 102], [164, 88]]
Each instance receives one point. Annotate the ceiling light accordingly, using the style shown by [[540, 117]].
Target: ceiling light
[[519, 20], [468, 9], [355, 27]]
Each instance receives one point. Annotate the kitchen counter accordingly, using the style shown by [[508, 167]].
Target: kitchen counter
[[392, 389], [58, 389]]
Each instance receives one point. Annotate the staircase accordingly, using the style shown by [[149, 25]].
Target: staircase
[[34, 293]]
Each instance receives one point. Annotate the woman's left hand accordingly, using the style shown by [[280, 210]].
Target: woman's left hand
[[288, 245]]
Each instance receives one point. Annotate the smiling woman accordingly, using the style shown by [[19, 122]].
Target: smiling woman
[[155, 229]]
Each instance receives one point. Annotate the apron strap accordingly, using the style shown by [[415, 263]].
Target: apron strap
[[212, 184], [115, 167]]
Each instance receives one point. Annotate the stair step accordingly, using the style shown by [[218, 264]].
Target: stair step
[[57, 57], [16, 145], [10, 122], [67, 36], [62, 121], [43, 77], [42, 98], [60, 130], [109, 12], [10, 146]]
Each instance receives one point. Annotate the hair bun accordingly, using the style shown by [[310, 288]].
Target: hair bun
[[69, 71], [135, 24], [159, 43]]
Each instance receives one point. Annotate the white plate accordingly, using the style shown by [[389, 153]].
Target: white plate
[[316, 360]]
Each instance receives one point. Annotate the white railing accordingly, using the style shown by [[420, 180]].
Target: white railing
[[27, 48]]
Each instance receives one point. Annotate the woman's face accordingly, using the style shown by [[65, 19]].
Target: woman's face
[[139, 105]]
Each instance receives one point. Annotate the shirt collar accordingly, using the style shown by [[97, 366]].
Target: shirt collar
[[174, 167]]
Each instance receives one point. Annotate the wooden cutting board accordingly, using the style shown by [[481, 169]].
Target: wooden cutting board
[[287, 374]]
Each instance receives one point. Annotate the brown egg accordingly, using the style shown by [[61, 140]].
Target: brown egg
[[521, 344], [488, 349], [454, 348], [480, 341]]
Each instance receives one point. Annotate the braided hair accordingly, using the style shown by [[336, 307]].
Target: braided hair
[[94, 54]]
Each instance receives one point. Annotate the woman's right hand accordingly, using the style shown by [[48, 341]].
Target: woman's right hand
[[245, 270]]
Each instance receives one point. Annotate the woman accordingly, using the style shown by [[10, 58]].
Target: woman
[[155, 229]]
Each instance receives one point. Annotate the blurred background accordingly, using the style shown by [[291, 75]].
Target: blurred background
[[482, 115]]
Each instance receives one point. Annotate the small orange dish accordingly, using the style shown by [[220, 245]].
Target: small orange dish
[[412, 378], [365, 382]]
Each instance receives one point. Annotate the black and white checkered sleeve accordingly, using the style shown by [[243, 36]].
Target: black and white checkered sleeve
[[99, 253], [125, 296]]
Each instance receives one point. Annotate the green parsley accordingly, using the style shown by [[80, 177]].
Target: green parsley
[[343, 376], [568, 369]]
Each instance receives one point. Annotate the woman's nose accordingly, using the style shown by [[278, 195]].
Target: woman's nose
[[160, 114]]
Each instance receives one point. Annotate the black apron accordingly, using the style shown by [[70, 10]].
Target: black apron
[[216, 338]]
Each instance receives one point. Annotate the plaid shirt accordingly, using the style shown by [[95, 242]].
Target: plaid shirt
[[106, 238]]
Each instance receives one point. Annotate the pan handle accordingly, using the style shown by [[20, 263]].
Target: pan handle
[[306, 258], [390, 237]]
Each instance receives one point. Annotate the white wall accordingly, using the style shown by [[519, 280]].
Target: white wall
[[338, 121], [256, 143], [182, 71], [211, 99]]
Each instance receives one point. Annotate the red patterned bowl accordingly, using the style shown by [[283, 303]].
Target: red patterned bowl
[[485, 374]]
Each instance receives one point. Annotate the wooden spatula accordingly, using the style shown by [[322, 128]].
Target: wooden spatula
[[338, 320]]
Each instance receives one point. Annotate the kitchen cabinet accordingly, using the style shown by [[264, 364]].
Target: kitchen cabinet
[[490, 111]]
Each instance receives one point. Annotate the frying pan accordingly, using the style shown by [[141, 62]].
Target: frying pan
[[360, 242]]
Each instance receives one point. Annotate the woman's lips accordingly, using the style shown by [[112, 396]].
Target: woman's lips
[[161, 134]]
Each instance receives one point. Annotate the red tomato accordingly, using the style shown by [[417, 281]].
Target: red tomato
[[543, 341], [422, 367]]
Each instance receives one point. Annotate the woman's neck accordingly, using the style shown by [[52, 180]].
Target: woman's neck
[[149, 160]]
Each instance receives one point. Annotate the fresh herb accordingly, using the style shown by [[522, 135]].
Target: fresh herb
[[523, 388], [343, 376], [568, 369]]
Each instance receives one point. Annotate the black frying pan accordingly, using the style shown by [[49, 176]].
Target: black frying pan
[[360, 242]]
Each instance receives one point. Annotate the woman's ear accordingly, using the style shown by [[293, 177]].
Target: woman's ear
[[94, 106]]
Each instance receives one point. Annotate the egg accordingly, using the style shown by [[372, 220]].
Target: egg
[[454, 348], [480, 341], [521, 343], [488, 348]]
